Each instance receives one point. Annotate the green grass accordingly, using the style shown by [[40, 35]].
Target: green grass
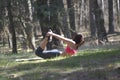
[[87, 65]]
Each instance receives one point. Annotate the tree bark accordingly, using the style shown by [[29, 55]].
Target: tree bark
[[65, 20], [111, 18], [92, 20], [119, 12], [47, 11], [118, 7], [29, 27], [71, 12], [12, 27], [77, 14], [99, 20]]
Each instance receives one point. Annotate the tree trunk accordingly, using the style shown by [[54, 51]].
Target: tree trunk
[[54, 23], [118, 12], [9, 37], [29, 27], [119, 5], [70, 5], [101, 32], [11, 27], [65, 20], [43, 18], [77, 14], [111, 18], [81, 12], [28, 35], [49, 20], [92, 20], [26, 19]]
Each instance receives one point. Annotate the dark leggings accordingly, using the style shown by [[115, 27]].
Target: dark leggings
[[47, 54]]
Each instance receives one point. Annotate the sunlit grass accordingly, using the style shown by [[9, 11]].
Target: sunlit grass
[[93, 63]]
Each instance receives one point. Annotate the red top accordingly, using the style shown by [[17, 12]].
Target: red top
[[70, 51]]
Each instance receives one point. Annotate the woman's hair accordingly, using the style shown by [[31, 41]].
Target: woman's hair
[[78, 39]]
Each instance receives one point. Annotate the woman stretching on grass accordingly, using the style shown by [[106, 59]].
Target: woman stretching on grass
[[71, 48]]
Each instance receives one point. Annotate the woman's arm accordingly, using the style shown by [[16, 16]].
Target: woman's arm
[[68, 41]]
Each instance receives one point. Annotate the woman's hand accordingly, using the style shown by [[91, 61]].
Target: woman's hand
[[50, 33], [68, 41]]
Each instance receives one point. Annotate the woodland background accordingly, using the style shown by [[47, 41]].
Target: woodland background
[[24, 22]]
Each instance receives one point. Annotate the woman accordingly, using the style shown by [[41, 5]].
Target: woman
[[71, 48]]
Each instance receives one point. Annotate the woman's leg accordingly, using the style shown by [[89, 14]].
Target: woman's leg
[[40, 49], [46, 54], [44, 43]]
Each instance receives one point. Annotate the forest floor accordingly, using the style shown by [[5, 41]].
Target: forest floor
[[91, 63], [97, 64], [87, 65]]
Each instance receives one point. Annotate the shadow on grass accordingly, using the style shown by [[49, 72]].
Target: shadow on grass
[[93, 66]]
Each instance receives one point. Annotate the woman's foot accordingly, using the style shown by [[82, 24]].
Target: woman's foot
[[49, 37]]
